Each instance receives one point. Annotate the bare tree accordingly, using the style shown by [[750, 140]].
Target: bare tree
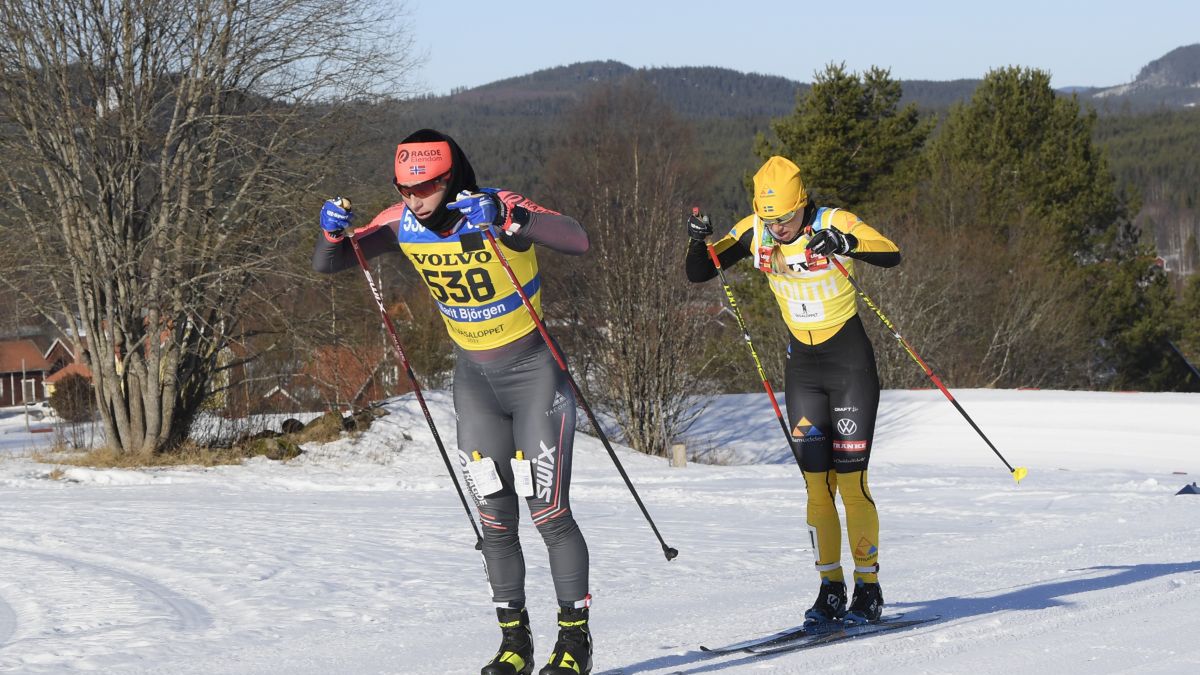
[[155, 154], [627, 170]]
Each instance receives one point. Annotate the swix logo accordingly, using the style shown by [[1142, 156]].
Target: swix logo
[[444, 259], [545, 472]]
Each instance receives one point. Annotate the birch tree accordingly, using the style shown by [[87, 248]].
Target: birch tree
[[156, 154], [627, 170]]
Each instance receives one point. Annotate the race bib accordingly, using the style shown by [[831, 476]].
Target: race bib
[[806, 311]]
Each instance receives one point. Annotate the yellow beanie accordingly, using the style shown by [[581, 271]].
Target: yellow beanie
[[778, 188]]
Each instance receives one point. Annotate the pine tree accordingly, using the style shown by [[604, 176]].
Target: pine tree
[[1017, 166], [849, 136]]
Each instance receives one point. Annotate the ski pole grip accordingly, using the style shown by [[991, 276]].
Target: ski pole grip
[[712, 253]]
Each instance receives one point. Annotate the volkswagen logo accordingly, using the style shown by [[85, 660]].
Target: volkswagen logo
[[846, 427]]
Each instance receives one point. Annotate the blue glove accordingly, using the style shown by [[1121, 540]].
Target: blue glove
[[483, 210], [336, 216]]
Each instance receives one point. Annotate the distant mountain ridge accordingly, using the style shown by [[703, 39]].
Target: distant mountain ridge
[[1170, 81], [693, 91], [707, 91]]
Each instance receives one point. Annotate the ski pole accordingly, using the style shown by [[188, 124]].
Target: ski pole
[[669, 552], [1017, 473], [412, 377], [737, 314], [1183, 358]]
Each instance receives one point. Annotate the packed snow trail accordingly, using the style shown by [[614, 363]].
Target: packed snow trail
[[355, 557]]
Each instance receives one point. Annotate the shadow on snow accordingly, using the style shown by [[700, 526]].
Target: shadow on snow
[[1027, 598]]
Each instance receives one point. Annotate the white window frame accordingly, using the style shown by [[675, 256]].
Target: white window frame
[[29, 386]]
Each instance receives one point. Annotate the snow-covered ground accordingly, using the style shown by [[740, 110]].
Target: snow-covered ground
[[358, 558]]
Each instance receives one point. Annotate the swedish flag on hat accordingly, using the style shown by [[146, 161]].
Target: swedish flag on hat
[[778, 188]]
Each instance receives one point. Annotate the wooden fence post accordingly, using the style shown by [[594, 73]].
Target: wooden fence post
[[679, 455]]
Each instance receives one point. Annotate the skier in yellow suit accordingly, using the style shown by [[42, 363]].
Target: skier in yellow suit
[[831, 383]]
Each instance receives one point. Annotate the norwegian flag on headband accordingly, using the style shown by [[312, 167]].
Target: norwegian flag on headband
[[416, 170]]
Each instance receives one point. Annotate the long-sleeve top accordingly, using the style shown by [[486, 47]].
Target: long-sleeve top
[[814, 298], [481, 308]]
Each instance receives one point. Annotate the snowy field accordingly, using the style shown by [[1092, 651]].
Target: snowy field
[[358, 558]]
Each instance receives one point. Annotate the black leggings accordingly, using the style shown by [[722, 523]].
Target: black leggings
[[832, 394]]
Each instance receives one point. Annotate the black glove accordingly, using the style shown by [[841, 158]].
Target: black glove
[[831, 241], [698, 225]]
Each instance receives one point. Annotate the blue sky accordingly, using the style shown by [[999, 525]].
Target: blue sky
[[1098, 43]]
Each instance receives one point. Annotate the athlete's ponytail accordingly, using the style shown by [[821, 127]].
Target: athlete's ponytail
[[779, 265]]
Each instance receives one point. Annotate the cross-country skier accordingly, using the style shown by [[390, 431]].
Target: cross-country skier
[[509, 393], [831, 382]]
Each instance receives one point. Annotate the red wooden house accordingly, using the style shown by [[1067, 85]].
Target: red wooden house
[[23, 371]]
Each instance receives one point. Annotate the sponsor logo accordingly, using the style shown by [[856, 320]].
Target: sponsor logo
[[820, 287], [848, 408], [474, 313], [865, 548], [764, 258], [806, 431], [477, 334], [846, 426], [560, 402], [850, 446], [449, 259], [474, 490], [404, 154], [815, 262], [545, 471]]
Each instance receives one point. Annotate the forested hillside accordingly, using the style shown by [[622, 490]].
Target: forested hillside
[[514, 126], [1157, 156], [168, 209], [510, 125]]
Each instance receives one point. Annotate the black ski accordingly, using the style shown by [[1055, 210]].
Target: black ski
[[838, 634], [787, 636]]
